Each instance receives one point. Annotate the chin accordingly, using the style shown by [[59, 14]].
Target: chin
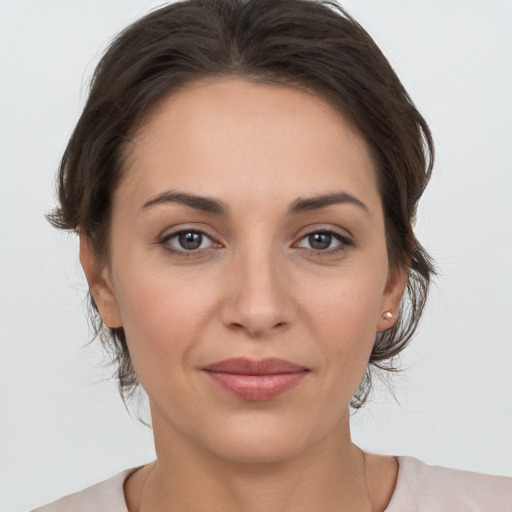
[[262, 440], [258, 451]]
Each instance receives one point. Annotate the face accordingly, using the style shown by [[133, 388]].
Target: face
[[247, 226]]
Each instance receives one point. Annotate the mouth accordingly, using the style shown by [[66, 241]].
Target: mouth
[[256, 380]]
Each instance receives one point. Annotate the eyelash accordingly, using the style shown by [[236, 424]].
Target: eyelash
[[344, 242], [165, 242]]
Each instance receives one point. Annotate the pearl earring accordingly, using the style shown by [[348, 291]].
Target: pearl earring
[[387, 315]]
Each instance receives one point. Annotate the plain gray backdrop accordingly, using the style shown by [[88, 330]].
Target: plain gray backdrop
[[62, 424]]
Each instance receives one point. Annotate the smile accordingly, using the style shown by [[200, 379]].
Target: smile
[[256, 380]]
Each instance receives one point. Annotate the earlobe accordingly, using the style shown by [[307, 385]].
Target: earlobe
[[100, 286], [391, 297]]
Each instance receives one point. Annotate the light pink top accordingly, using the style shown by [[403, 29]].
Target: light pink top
[[419, 488]]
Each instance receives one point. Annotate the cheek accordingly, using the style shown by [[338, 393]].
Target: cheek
[[343, 315], [163, 316]]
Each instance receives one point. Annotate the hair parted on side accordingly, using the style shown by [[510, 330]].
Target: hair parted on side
[[310, 44]]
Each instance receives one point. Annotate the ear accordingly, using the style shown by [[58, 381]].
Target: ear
[[100, 286], [390, 302]]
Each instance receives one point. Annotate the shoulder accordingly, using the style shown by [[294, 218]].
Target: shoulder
[[106, 496], [422, 488]]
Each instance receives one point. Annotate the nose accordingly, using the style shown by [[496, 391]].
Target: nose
[[259, 300]]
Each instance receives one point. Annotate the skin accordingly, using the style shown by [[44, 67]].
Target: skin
[[255, 288]]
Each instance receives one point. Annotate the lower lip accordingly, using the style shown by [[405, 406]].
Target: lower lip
[[256, 387]]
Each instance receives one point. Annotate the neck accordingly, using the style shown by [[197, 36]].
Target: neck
[[329, 475]]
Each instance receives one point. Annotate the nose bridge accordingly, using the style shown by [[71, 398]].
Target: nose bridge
[[259, 300]]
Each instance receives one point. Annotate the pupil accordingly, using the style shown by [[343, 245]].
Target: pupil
[[190, 240], [320, 240]]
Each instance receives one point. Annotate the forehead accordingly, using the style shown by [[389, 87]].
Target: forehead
[[274, 140]]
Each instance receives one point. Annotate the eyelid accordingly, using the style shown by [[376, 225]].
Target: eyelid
[[164, 239], [345, 241]]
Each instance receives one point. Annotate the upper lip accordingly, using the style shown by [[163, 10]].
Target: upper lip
[[246, 366]]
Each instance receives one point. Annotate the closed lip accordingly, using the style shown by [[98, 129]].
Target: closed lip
[[247, 366], [252, 380]]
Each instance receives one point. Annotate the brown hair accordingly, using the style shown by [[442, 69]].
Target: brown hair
[[313, 44]]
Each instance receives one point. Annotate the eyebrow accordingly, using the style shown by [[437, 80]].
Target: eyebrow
[[214, 206], [205, 204], [303, 205]]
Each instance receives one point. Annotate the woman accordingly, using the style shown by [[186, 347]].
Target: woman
[[243, 180]]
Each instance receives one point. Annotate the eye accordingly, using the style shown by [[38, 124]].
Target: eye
[[188, 240], [324, 241]]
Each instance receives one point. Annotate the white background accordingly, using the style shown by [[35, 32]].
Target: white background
[[62, 424]]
